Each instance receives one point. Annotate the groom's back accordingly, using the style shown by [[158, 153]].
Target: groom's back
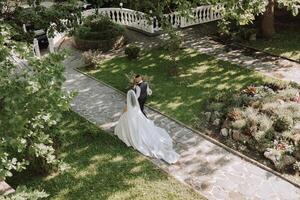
[[143, 86]]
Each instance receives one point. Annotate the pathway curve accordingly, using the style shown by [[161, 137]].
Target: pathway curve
[[208, 168]]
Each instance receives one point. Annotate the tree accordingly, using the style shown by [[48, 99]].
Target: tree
[[235, 12], [267, 23], [31, 105], [245, 12], [59, 17]]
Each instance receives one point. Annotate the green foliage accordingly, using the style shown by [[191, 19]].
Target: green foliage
[[103, 168], [92, 58], [201, 78], [32, 101], [283, 123], [286, 43], [241, 13], [22, 193], [132, 51], [172, 45], [266, 119], [97, 27], [59, 17]]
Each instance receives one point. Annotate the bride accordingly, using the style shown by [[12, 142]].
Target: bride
[[135, 130]]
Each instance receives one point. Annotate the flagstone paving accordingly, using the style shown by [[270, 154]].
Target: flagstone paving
[[207, 167]]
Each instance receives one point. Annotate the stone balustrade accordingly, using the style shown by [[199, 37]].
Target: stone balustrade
[[144, 22], [148, 24]]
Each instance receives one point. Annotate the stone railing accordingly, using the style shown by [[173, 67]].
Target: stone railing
[[144, 22], [202, 14], [126, 17]]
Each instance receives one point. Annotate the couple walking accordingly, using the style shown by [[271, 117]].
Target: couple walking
[[136, 130]]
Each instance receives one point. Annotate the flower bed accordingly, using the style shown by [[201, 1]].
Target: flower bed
[[99, 32], [264, 119], [103, 45]]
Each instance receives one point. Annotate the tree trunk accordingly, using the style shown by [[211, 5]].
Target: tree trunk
[[267, 24]]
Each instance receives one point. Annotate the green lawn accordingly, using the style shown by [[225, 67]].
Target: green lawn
[[102, 167], [285, 43], [181, 97]]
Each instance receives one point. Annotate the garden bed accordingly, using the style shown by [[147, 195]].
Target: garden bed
[[99, 32], [185, 96], [102, 45], [261, 120]]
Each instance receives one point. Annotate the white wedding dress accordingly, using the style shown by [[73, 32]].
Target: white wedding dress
[[135, 130]]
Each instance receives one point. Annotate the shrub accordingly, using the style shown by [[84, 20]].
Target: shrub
[[270, 108], [173, 45], [92, 58], [132, 51], [215, 106], [24, 193], [288, 94], [32, 104], [264, 122], [97, 27], [278, 85], [261, 117], [294, 108], [296, 166], [239, 124], [283, 123], [234, 114]]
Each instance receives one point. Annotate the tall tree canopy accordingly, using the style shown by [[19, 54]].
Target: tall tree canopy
[[31, 105]]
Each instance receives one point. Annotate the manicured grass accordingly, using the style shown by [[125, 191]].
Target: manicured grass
[[102, 167], [182, 97], [285, 43]]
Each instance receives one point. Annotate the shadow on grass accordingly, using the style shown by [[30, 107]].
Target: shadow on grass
[[285, 43], [102, 167], [184, 96]]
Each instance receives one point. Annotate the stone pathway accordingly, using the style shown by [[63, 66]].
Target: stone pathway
[[208, 168], [268, 65], [5, 189]]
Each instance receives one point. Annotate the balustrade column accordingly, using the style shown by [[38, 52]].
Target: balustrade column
[[151, 25], [182, 21], [24, 28], [211, 13], [51, 45], [125, 18], [36, 47]]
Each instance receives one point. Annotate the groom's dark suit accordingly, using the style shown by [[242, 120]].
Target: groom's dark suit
[[142, 94]]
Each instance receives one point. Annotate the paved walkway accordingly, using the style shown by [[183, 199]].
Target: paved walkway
[[210, 169], [268, 65]]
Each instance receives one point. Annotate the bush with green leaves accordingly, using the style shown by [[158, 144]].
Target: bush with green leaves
[[172, 45], [132, 51], [59, 17], [32, 102], [23, 193], [283, 123], [98, 27]]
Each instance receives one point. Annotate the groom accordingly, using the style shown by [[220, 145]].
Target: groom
[[141, 90]]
